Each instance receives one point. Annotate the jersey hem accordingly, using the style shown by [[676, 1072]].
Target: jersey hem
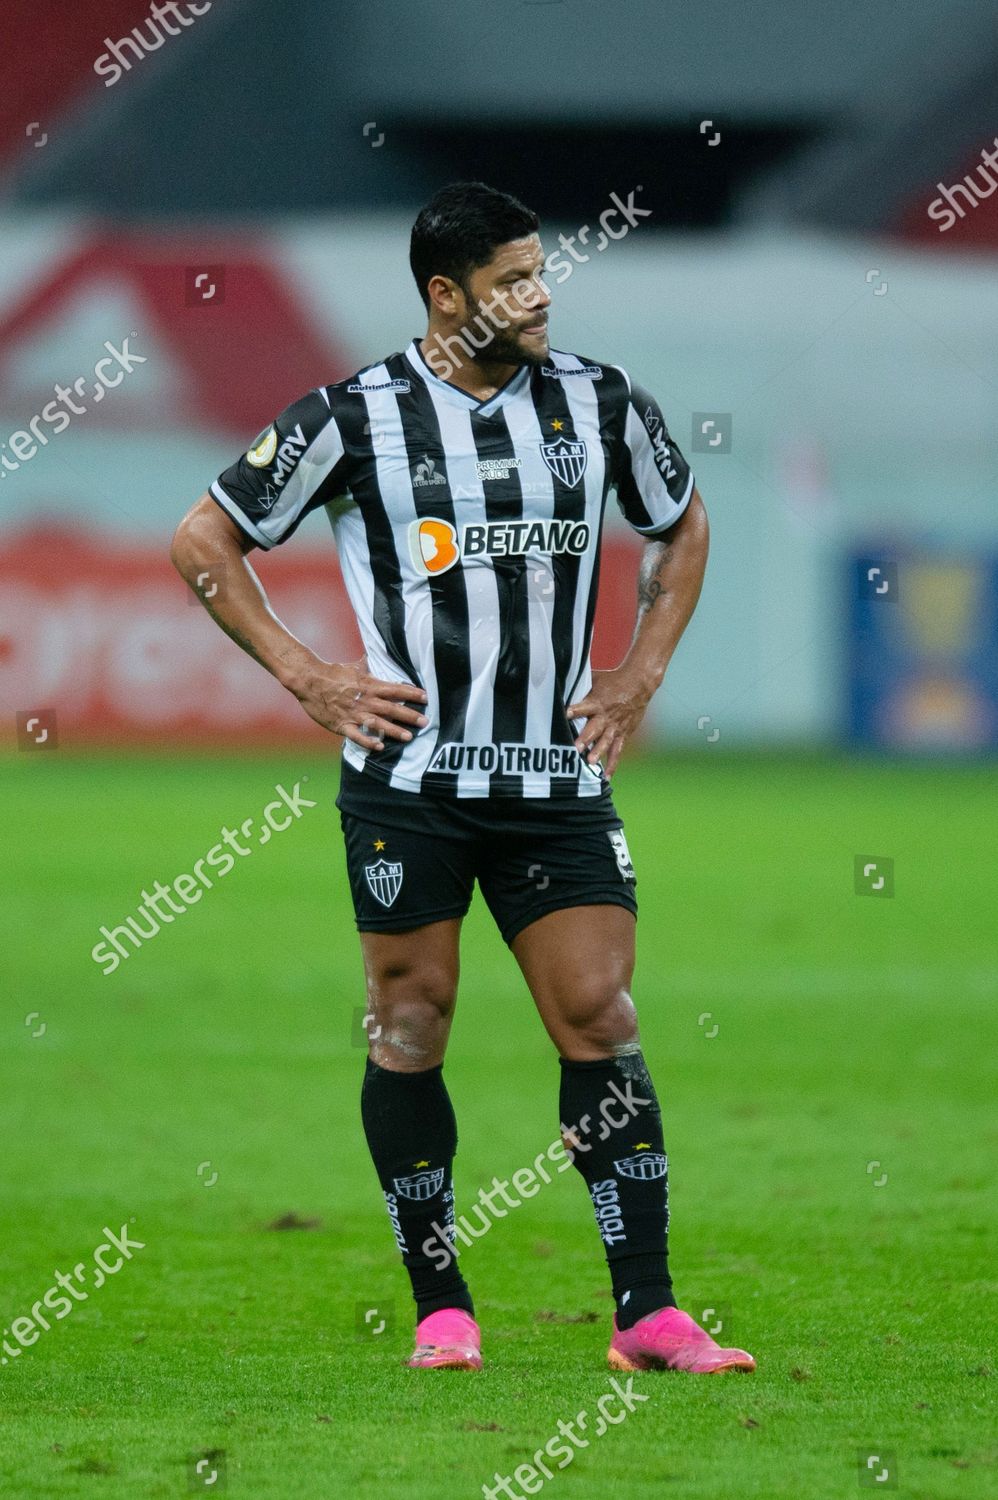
[[506, 790], [430, 784]]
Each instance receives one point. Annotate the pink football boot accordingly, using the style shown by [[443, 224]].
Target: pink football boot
[[447, 1340], [670, 1340]]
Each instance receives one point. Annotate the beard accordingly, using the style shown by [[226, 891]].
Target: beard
[[507, 349], [490, 343]]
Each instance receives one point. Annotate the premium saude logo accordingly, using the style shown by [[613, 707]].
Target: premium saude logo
[[497, 468]]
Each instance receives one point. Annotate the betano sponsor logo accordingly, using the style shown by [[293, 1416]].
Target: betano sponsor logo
[[511, 759], [434, 545]]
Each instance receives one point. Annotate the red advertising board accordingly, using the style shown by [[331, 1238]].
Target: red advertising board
[[111, 640]]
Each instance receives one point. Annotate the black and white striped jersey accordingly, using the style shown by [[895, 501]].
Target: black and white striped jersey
[[468, 535]]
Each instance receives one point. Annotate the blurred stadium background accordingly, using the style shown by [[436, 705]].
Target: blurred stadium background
[[234, 200], [787, 285]]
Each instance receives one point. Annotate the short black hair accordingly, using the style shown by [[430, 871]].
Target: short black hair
[[460, 229]]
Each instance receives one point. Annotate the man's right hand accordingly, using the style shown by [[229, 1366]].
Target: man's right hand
[[343, 698]]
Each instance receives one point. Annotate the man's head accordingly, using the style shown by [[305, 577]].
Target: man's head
[[477, 260]]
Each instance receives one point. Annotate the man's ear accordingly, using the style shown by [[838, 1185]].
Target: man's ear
[[445, 295]]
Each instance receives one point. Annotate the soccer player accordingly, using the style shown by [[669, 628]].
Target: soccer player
[[465, 480]]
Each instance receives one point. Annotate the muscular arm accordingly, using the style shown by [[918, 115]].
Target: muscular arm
[[210, 552], [669, 583]]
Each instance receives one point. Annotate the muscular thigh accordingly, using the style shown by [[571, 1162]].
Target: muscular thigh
[[578, 963]]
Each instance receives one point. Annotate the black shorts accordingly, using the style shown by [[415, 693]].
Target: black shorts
[[413, 857]]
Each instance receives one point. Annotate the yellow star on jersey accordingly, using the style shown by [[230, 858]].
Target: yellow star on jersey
[[643, 1146], [557, 424], [379, 843], [421, 1164]]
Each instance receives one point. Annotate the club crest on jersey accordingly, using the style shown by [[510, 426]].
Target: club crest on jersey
[[566, 459], [645, 1167], [384, 880], [421, 1185]]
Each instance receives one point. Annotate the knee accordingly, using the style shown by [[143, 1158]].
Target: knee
[[415, 987], [602, 1019], [411, 1006]]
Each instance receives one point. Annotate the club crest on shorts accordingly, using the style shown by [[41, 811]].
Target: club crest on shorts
[[644, 1167], [421, 1185], [384, 880], [566, 459]]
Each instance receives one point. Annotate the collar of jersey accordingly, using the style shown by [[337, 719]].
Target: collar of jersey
[[456, 395]]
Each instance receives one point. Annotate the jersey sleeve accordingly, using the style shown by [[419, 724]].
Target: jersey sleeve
[[653, 479], [295, 465]]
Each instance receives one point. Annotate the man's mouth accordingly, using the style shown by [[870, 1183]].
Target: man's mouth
[[535, 328]]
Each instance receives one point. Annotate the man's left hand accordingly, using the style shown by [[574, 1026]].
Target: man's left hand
[[613, 708]]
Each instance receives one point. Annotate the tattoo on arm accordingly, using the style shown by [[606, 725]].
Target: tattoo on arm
[[650, 584], [648, 592]]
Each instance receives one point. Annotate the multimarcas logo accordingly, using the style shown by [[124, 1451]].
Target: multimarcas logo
[[435, 547]]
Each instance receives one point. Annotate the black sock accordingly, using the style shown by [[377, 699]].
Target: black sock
[[613, 1125], [412, 1135]]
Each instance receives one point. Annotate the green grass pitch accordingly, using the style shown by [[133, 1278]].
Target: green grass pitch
[[831, 1146]]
